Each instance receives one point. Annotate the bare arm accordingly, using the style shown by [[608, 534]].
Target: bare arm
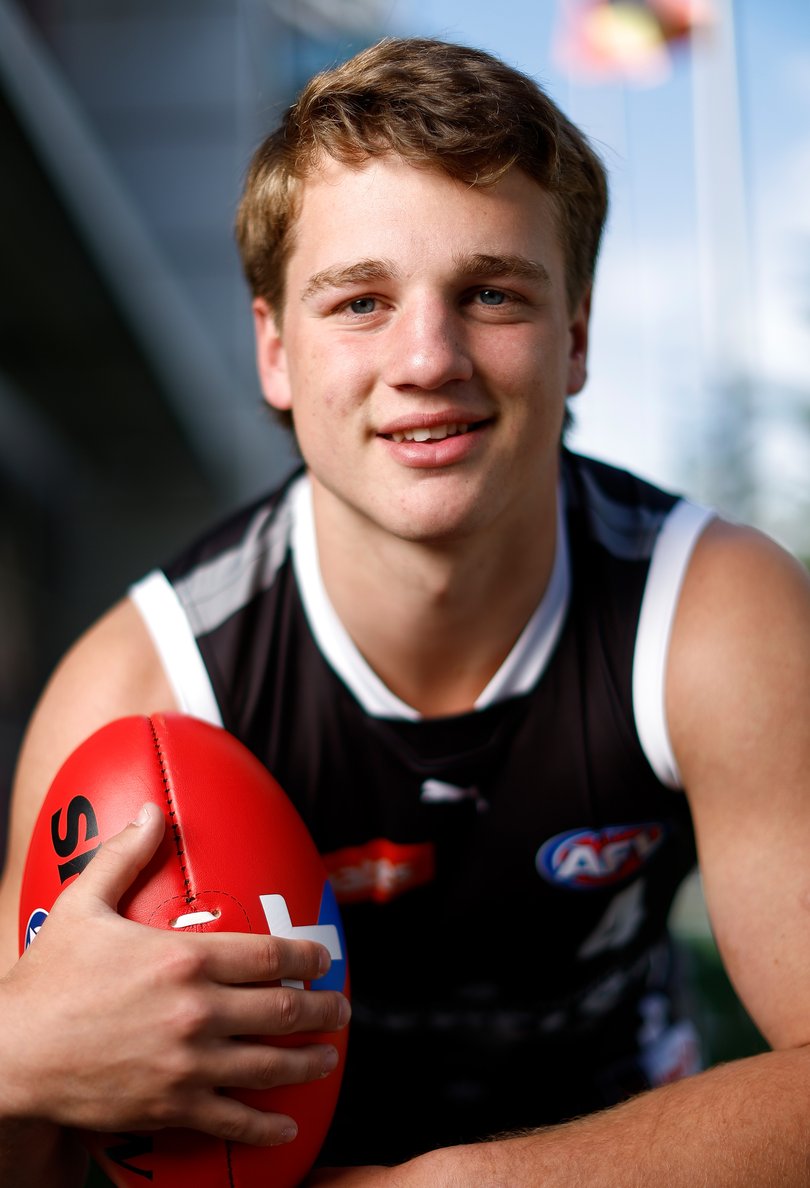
[[111, 672], [83, 693], [738, 696], [740, 1126], [111, 1025]]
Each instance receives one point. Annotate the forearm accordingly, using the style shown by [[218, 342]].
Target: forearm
[[744, 1124], [33, 1152]]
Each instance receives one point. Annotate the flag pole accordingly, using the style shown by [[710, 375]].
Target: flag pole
[[725, 270]]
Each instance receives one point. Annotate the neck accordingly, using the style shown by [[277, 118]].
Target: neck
[[435, 620]]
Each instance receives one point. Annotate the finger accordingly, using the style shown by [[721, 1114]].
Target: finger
[[122, 858], [265, 1066], [237, 958], [226, 1118], [277, 1010]]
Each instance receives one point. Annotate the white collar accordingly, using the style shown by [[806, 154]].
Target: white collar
[[519, 672]]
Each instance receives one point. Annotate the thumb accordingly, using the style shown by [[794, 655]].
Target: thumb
[[122, 857]]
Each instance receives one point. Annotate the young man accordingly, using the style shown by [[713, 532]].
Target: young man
[[506, 687]]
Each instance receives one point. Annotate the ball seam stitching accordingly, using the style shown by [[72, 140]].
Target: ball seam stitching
[[178, 841]]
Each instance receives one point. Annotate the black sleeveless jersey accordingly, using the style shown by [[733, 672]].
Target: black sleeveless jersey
[[505, 875]]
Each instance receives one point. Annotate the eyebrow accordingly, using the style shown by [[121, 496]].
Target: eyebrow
[[478, 264], [519, 267], [359, 273]]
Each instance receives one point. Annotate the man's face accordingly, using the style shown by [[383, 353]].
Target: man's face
[[426, 350]]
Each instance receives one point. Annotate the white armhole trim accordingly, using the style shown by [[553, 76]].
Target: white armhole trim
[[176, 646], [668, 566]]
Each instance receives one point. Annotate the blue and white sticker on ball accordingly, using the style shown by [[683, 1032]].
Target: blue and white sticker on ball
[[329, 915], [35, 922], [327, 931], [587, 859]]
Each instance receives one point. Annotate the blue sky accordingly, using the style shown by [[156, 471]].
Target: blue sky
[[704, 283]]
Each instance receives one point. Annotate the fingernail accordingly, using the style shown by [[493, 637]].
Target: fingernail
[[143, 815], [288, 1133], [324, 962], [330, 1062], [345, 1012]]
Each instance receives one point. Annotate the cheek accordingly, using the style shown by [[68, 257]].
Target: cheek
[[331, 374], [523, 355], [532, 377], [345, 394], [322, 406]]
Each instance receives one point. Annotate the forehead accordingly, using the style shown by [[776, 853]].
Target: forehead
[[393, 209]]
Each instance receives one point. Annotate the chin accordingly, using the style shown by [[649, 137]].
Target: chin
[[440, 526]]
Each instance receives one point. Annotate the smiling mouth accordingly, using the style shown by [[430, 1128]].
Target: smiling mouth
[[434, 433]]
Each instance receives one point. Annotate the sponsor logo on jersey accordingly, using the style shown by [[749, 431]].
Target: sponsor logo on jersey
[[587, 859], [35, 922], [440, 792], [380, 870]]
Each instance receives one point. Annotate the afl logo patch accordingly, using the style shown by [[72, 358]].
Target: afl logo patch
[[35, 922], [587, 859]]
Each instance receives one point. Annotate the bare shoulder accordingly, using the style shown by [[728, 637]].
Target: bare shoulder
[[745, 568], [112, 671], [738, 690], [739, 663]]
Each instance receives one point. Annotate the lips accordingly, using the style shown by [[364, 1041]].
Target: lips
[[428, 442], [429, 427], [433, 433]]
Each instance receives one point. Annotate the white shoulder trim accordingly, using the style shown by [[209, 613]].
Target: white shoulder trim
[[519, 673], [176, 646], [670, 560]]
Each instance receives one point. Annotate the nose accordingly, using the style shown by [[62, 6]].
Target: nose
[[427, 346]]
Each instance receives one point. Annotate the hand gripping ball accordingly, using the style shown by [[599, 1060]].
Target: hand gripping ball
[[235, 857]]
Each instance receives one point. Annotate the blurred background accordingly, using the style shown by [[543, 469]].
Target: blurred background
[[130, 415]]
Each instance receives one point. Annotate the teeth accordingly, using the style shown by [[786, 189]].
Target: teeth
[[437, 433]]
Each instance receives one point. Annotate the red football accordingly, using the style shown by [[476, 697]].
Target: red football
[[235, 857]]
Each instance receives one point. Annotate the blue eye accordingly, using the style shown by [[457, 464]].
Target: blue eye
[[492, 297], [362, 305]]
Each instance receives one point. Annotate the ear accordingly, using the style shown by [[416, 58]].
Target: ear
[[578, 345], [271, 358]]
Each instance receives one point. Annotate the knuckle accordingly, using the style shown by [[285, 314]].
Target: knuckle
[[267, 1067], [167, 1111], [189, 1016], [331, 1012], [291, 959], [318, 1064], [237, 1123], [164, 1115], [312, 961], [176, 1071], [265, 1130], [274, 959], [232, 1128], [287, 1005], [181, 963]]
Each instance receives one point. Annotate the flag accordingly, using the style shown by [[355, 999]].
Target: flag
[[600, 40]]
